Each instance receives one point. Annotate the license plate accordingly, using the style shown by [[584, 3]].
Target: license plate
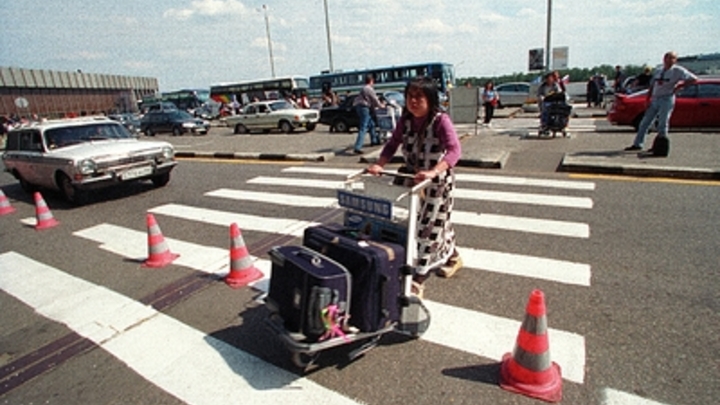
[[137, 172]]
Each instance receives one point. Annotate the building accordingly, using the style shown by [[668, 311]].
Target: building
[[708, 64], [54, 94]]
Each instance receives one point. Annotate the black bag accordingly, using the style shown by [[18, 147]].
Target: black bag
[[661, 146], [375, 267], [303, 284]]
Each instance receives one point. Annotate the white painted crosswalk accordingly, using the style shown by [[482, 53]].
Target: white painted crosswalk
[[490, 336]]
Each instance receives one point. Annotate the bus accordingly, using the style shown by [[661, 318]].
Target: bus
[[392, 78], [266, 89], [186, 99]]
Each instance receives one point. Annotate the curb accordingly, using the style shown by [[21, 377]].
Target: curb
[[318, 157], [573, 164]]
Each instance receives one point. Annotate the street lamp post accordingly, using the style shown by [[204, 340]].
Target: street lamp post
[[327, 31], [547, 35], [269, 41]]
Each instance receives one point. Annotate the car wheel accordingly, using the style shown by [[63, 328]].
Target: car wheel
[[311, 126], [341, 126], [161, 180], [149, 132], [177, 131], [70, 192], [285, 127], [240, 129]]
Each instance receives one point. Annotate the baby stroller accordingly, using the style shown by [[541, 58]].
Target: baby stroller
[[555, 115]]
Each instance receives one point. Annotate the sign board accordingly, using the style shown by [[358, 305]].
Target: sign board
[[374, 206], [21, 102], [536, 60], [560, 57]]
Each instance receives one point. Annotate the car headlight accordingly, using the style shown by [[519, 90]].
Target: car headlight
[[87, 166], [188, 125], [168, 153]]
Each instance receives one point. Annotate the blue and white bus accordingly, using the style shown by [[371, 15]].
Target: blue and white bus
[[391, 78]]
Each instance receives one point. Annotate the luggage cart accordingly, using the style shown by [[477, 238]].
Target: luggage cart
[[374, 206], [555, 115], [387, 120]]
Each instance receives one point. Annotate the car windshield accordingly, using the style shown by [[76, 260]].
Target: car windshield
[[71, 135], [281, 105]]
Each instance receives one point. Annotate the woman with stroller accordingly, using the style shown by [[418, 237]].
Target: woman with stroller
[[431, 148], [551, 90]]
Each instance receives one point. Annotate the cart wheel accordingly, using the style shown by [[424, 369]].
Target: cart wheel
[[304, 360]]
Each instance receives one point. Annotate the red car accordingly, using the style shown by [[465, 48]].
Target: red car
[[696, 106]]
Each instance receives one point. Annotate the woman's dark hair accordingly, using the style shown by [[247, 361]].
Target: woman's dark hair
[[429, 88]]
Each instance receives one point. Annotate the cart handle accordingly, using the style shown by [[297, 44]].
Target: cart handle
[[423, 184]]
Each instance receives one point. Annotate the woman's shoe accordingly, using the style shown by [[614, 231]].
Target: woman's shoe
[[451, 267]]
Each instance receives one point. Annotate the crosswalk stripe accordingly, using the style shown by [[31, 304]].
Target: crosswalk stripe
[[131, 244], [505, 222], [522, 224], [484, 195], [461, 177], [245, 222], [492, 336], [615, 397], [453, 325], [185, 362]]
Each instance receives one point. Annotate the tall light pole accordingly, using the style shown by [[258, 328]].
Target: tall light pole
[[327, 31], [547, 35], [269, 41]]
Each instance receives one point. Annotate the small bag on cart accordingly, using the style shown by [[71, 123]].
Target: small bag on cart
[[308, 290], [376, 270], [661, 146]]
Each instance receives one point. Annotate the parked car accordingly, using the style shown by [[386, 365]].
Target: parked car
[[696, 106], [269, 115], [513, 94], [176, 121], [129, 120], [79, 154], [341, 117]]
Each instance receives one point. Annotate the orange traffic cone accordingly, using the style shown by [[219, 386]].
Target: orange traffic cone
[[5, 207], [528, 370], [43, 215], [158, 252], [242, 270]]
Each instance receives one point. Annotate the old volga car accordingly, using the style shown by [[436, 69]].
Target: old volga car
[[80, 154], [269, 115]]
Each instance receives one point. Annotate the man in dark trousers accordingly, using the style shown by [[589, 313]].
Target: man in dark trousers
[[661, 98], [365, 104]]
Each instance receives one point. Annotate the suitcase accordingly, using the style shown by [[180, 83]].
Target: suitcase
[[661, 146], [375, 267], [303, 283]]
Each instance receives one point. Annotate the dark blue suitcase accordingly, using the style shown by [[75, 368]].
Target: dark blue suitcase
[[376, 269], [303, 283]]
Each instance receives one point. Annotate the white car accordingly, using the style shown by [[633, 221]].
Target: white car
[[80, 154], [269, 115], [513, 94]]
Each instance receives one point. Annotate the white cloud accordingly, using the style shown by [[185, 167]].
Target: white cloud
[[207, 8]]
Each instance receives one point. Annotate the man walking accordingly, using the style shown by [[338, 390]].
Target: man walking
[[661, 98], [365, 103]]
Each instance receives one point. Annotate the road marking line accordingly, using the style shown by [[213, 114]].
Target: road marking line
[[492, 336], [494, 221], [185, 362], [527, 266], [646, 179], [477, 178], [282, 226], [131, 244], [485, 195], [615, 397]]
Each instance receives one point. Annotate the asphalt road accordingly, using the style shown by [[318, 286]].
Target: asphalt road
[[642, 325]]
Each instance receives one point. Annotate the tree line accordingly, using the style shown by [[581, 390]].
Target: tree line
[[575, 75]]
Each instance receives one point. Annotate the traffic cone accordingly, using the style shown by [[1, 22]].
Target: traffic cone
[[5, 207], [158, 252], [43, 215], [242, 270], [528, 370]]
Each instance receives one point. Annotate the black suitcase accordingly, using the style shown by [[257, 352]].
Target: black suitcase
[[661, 146], [303, 283], [376, 269]]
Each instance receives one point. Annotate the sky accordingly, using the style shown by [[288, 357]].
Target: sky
[[198, 43]]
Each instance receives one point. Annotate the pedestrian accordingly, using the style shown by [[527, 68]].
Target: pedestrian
[[431, 149], [618, 80], [661, 98], [591, 91], [490, 99], [365, 104], [642, 81]]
